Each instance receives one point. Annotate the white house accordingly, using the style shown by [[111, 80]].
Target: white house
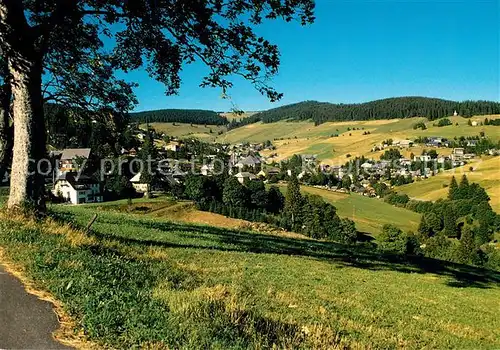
[[457, 154], [72, 158], [173, 146], [250, 161], [367, 166], [242, 176], [422, 158], [405, 143], [140, 187], [207, 169], [77, 189]]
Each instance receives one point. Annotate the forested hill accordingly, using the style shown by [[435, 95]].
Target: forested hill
[[390, 108], [194, 116]]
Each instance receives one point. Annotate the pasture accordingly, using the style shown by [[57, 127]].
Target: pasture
[[369, 214], [137, 281], [182, 130], [305, 138], [486, 172]]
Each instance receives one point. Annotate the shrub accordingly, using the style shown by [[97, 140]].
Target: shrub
[[392, 239], [397, 199], [444, 122]]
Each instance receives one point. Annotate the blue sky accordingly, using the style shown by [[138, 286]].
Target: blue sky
[[358, 51]]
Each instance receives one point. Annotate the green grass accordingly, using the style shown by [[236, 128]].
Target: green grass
[[182, 130], [260, 132], [138, 282], [486, 173], [369, 214], [235, 116], [305, 138]]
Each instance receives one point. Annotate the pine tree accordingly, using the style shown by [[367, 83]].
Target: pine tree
[[453, 189], [450, 221], [463, 188], [293, 201], [467, 250], [423, 229]]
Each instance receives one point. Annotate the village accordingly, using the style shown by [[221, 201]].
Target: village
[[175, 159]]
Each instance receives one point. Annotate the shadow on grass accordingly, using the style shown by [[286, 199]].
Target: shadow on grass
[[358, 256]]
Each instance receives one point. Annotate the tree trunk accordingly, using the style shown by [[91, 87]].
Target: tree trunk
[[26, 184], [18, 42], [6, 130]]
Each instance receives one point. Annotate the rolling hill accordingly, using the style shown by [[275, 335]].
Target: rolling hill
[[206, 133], [486, 173], [332, 142], [389, 108], [137, 281], [195, 116], [369, 214]]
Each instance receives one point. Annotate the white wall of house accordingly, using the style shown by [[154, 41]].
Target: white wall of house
[[140, 187], [74, 196]]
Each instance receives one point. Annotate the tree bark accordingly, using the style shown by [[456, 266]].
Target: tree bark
[[26, 184], [6, 129], [18, 42]]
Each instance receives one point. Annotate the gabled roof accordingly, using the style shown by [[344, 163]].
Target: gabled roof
[[77, 182], [136, 178], [70, 153], [250, 160]]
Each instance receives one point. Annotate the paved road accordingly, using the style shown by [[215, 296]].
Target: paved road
[[26, 322]]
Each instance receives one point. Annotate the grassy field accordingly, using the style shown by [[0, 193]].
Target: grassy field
[[165, 208], [187, 130], [234, 116], [305, 138], [369, 214], [145, 282], [486, 173]]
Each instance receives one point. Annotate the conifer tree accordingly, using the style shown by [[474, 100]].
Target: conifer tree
[[463, 188], [453, 189], [467, 250], [450, 221], [423, 229], [293, 201]]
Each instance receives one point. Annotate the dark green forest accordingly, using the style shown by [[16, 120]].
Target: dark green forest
[[390, 108], [194, 116]]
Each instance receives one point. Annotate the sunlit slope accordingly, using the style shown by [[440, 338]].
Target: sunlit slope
[[140, 282], [369, 214], [485, 172], [206, 133], [305, 138]]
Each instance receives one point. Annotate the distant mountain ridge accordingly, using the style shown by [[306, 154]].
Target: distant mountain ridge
[[194, 116], [389, 108], [320, 112]]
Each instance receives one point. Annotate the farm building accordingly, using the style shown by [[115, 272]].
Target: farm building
[[77, 189], [71, 159]]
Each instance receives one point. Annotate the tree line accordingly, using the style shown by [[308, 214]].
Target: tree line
[[459, 228], [390, 108], [306, 214], [194, 116]]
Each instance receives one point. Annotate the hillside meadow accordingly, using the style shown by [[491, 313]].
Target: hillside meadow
[[237, 116], [138, 281], [305, 138], [182, 130], [369, 214], [486, 172]]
